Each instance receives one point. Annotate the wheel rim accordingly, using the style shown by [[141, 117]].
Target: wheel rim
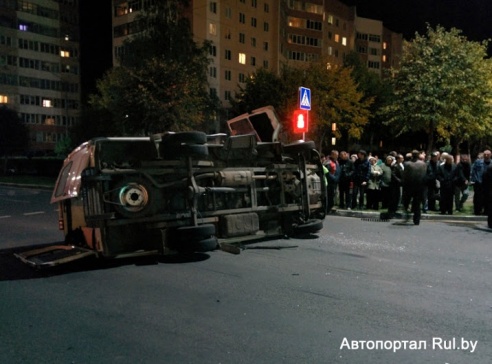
[[133, 197]]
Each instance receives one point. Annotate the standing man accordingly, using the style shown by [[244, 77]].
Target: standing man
[[386, 181], [332, 178], [478, 169], [361, 177], [395, 185], [487, 189], [463, 169], [430, 188], [413, 185], [345, 181], [446, 175]]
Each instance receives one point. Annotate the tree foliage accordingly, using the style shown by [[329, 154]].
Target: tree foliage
[[443, 87], [262, 88], [374, 88], [161, 83], [334, 99]]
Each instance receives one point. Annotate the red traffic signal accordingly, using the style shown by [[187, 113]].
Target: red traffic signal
[[300, 121]]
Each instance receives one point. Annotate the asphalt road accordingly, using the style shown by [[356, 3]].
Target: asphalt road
[[358, 292]]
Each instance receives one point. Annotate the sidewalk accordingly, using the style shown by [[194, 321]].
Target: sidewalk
[[434, 216], [371, 214]]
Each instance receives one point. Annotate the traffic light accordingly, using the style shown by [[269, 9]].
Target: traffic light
[[300, 120]]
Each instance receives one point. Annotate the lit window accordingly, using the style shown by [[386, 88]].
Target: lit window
[[330, 19], [384, 57], [337, 38], [67, 37], [64, 54], [212, 28], [344, 41], [23, 27], [385, 45], [49, 120], [47, 103], [4, 99], [242, 58]]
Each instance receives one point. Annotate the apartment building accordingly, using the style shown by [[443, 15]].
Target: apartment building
[[39, 66], [250, 34]]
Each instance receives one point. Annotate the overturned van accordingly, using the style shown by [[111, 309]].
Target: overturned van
[[185, 192]]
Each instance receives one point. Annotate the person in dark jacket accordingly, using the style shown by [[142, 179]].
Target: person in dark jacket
[[487, 191], [395, 185], [446, 175], [361, 177], [345, 181], [461, 191], [331, 163], [413, 186], [386, 181], [431, 191], [478, 169]]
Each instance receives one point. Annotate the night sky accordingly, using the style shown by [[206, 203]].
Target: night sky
[[95, 44], [473, 17]]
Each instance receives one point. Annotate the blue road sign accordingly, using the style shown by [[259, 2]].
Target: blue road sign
[[304, 98]]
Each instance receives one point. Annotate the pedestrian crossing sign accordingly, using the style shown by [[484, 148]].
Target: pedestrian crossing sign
[[304, 98]]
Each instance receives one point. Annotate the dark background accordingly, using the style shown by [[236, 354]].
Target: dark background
[[410, 16], [95, 44]]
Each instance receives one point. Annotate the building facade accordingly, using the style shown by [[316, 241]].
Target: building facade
[[250, 34], [39, 67]]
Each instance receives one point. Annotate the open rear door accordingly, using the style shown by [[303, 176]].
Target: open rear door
[[54, 255], [263, 123]]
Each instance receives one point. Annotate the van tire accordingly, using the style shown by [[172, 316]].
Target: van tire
[[172, 152], [310, 227], [207, 245], [185, 137], [299, 147], [135, 197], [195, 233]]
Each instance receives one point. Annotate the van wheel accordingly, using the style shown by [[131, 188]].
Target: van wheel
[[186, 137], [183, 150], [195, 233], [207, 245], [310, 227], [299, 147], [135, 197]]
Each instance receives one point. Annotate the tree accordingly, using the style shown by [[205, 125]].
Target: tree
[[161, 83], [372, 87], [443, 88], [262, 88], [336, 99], [14, 135]]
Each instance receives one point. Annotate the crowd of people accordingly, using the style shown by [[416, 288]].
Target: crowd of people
[[414, 182]]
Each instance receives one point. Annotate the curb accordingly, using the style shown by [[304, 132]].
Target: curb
[[430, 217]]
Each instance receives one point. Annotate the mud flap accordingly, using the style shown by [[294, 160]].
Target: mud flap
[[54, 255]]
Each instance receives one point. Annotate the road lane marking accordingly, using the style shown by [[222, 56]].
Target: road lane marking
[[5, 217], [33, 213]]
